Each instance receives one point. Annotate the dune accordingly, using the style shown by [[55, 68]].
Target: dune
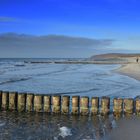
[[119, 58], [131, 70]]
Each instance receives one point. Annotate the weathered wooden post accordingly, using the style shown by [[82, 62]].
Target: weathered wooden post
[[65, 104], [5, 100], [105, 105], [94, 105], [47, 104], [12, 101], [117, 106], [21, 106], [75, 105], [128, 106], [0, 100], [137, 105], [56, 104], [84, 105], [29, 102], [38, 102]]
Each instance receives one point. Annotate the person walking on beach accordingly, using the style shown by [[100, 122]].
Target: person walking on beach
[[137, 60]]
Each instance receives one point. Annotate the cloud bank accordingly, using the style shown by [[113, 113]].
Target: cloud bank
[[22, 45], [7, 19]]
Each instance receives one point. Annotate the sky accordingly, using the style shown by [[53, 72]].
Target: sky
[[29, 28]]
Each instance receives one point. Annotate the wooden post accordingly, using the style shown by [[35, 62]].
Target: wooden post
[[128, 106], [12, 101], [0, 100], [75, 105], [38, 103], [137, 105], [84, 105], [21, 106], [65, 104], [5, 100], [29, 102], [118, 106], [105, 105], [94, 105], [47, 104], [56, 104]]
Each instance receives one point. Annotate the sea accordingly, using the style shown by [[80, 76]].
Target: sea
[[39, 76]]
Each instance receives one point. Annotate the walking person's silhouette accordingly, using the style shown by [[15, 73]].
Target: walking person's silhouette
[[137, 60]]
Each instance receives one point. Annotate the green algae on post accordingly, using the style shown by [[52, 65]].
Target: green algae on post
[[5, 100], [128, 106], [21, 105], [137, 105], [0, 99], [29, 102], [12, 101], [105, 105], [117, 106], [56, 104], [84, 105], [65, 104], [94, 105], [47, 104], [38, 103], [75, 105]]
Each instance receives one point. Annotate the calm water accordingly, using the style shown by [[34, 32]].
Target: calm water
[[71, 79]]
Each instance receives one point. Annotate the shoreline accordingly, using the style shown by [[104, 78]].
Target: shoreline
[[77, 62], [131, 70]]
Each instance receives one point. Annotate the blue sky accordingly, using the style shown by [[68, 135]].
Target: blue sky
[[118, 20]]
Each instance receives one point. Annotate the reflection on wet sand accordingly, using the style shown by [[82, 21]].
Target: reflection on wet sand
[[36, 126]]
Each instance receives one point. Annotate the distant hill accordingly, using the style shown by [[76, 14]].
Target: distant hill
[[115, 57]]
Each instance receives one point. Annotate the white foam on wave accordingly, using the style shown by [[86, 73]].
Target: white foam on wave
[[65, 131]]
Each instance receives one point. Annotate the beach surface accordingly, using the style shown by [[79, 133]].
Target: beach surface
[[131, 70], [127, 129]]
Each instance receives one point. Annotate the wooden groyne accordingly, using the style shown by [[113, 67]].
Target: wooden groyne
[[75, 105], [79, 62]]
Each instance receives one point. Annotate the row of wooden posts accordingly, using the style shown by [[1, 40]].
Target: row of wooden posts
[[56, 104]]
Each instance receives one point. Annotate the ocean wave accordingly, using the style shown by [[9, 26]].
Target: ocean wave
[[19, 65], [76, 92], [14, 80]]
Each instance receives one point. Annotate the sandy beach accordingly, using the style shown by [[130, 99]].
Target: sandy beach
[[131, 70]]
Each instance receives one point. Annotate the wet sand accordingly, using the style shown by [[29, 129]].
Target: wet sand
[[131, 70], [127, 129]]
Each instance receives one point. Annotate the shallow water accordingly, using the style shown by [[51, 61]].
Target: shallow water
[[46, 127], [79, 79]]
